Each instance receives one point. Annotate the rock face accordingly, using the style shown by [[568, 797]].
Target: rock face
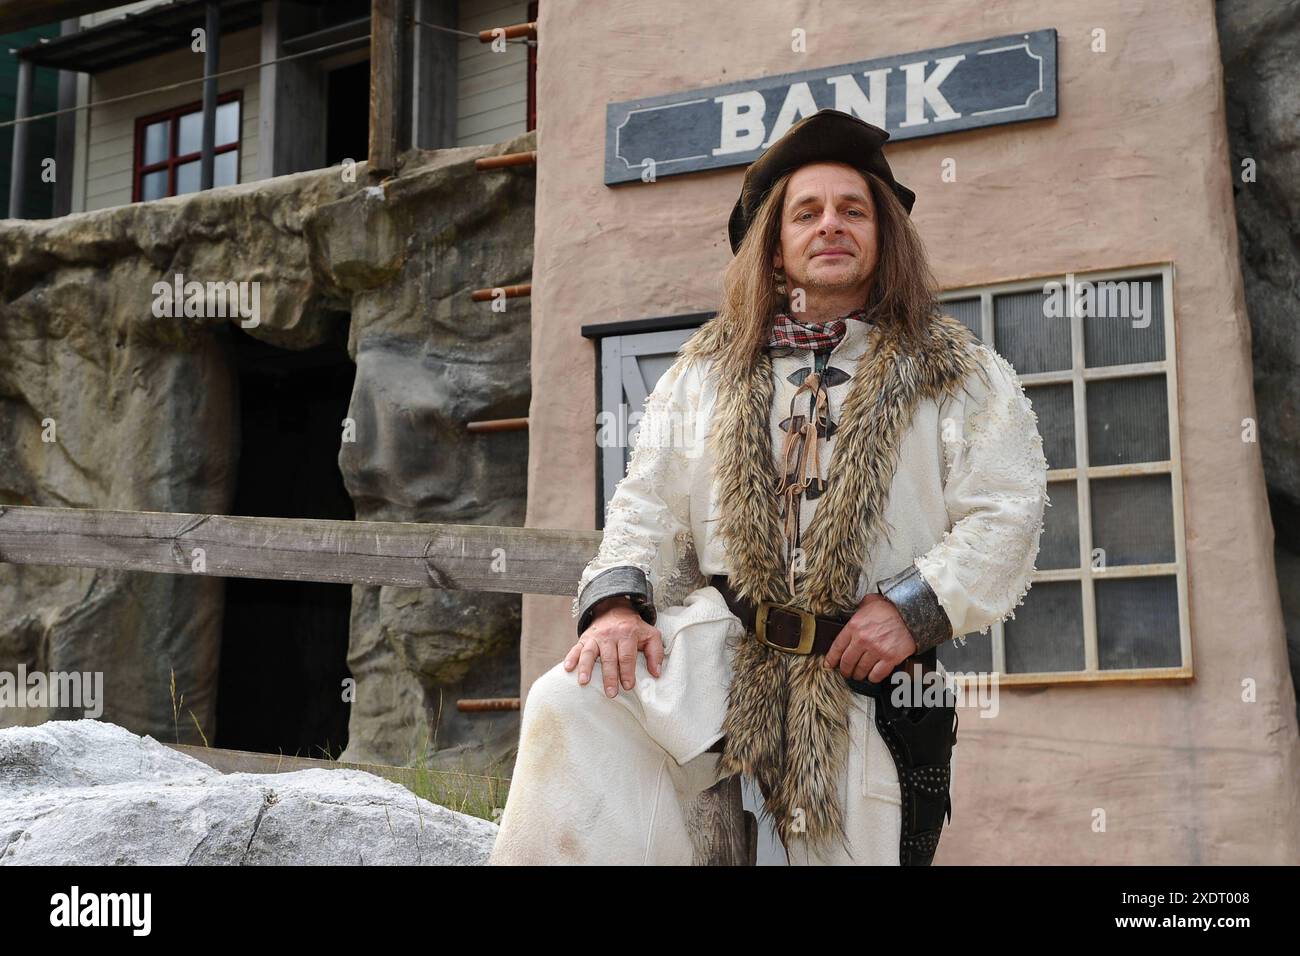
[[1259, 44], [104, 405], [90, 793]]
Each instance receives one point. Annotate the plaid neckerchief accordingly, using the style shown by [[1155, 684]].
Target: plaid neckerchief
[[789, 332]]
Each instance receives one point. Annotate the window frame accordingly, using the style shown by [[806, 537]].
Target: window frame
[[1077, 375], [138, 168]]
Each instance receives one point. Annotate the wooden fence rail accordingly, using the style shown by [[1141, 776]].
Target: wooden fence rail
[[450, 556]]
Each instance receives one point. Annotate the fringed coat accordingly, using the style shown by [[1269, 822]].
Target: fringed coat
[[942, 474]]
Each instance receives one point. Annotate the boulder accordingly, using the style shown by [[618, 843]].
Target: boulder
[[88, 792]]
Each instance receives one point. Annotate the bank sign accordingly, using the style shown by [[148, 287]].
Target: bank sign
[[982, 83]]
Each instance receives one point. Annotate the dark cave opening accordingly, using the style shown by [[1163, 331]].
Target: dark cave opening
[[284, 643]]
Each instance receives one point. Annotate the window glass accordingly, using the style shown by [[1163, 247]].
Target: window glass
[[1047, 632], [1027, 337], [1128, 420], [156, 142], [227, 122], [187, 178], [189, 136], [1137, 623], [1133, 519], [1059, 545], [154, 185], [1054, 406], [225, 170], [1124, 322]]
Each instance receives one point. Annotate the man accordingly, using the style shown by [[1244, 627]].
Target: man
[[831, 480]]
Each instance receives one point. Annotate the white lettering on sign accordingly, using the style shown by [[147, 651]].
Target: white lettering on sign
[[798, 103], [869, 106], [742, 122], [922, 89]]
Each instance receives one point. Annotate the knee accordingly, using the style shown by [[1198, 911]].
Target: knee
[[559, 690]]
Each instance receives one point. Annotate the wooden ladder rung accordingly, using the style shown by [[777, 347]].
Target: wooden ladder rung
[[528, 158], [498, 425], [510, 292], [484, 704], [512, 32]]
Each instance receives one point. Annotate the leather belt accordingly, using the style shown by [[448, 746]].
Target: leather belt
[[920, 739], [797, 631]]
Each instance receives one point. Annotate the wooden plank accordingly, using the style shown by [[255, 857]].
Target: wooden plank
[[453, 557], [385, 86], [478, 787]]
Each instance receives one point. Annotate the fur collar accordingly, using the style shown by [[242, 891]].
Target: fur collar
[[787, 715]]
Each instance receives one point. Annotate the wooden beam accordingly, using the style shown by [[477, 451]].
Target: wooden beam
[[16, 15], [506, 160], [480, 787], [512, 32], [385, 87], [454, 557], [498, 425], [509, 291], [478, 705]]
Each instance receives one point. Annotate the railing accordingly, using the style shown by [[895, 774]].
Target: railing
[[400, 554]]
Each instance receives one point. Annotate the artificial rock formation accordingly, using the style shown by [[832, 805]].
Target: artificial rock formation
[[144, 417], [89, 793], [1259, 43]]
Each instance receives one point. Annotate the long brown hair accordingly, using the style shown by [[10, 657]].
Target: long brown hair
[[903, 296]]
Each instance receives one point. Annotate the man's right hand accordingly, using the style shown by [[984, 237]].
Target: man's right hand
[[616, 633]]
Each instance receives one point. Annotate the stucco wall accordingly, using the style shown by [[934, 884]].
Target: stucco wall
[[1135, 169]]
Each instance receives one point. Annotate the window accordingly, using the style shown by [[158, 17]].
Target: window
[[631, 364], [1095, 353], [168, 144]]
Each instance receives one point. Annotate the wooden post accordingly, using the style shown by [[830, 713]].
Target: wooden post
[[385, 88], [723, 831]]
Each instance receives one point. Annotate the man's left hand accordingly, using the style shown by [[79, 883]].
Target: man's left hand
[[873, 642]]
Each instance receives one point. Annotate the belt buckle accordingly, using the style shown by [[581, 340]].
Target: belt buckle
[[807, 627]]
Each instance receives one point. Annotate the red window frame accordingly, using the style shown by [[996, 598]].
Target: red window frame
[[172, 161]]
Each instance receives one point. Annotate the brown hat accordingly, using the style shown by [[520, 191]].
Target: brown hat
[[825, 136]]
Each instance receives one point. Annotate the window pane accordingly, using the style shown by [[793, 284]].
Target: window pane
[[1137, 623], [156, 142], [154, 185], [1128, 420], [1124, 322], [225, 170], [187, 178], [1025, 336], [1047, 632], [1133, 519], [1059, 545], [227, 122], [977, 655], [965, 311], [1054, 406], [190, 134]]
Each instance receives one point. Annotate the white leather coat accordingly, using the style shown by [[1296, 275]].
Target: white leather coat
[[966, 504]]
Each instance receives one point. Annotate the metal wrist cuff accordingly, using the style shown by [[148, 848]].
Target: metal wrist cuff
[[624, 580], [919, 608]]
